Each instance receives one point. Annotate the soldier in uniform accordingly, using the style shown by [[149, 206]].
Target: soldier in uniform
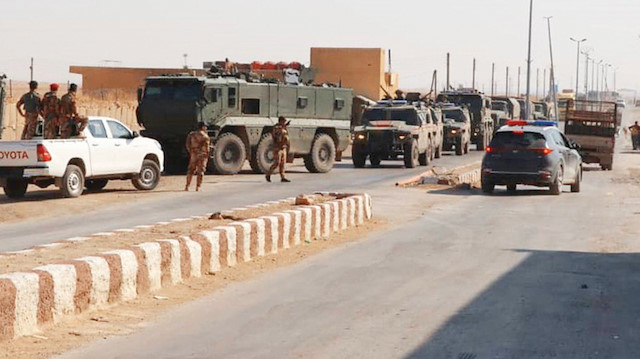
[[69, 114], [51, 112], [31, 102], [281, 147], [198, 143], [400, 95]]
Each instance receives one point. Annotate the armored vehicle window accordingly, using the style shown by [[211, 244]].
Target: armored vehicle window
[[339, 104], [97, 129], [211, 95], [251, 106], [424, 118], [232, 97], [456, 115], [172, 90], [302, 102], [407, 115]]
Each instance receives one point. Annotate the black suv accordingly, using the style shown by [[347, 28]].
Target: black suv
[[531, 153]]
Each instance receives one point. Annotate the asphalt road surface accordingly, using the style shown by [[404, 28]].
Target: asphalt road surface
[[234, 192], [528, 275]]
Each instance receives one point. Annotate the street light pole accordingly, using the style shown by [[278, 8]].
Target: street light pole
[[552, 76], [577, 62], [527, 107]]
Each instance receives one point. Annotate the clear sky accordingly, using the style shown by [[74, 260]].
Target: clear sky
[[156, 33]]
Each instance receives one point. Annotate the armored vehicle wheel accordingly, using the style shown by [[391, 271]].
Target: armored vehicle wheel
[[15, 188], [96, 184], [359, 159], [426, 157], [459, 149], [72, 182], [375, 159], [511, 187], [322, 156], [466, 147], [149, 176], [438, 153], [481, 143], [411, 154], [263, 157], [228, 154]]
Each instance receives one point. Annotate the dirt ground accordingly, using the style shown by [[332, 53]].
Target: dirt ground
[[129, 317], [97, 244]]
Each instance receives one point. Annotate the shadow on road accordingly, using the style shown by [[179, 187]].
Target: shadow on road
[[466, 190], [552, 305]]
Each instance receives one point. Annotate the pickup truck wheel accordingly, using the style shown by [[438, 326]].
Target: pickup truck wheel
[[229, 154], [149, 176], [96, 184], [263, 157], [72, 182], [359, 159], [15, 188], [411, 154], [322, 156], [375, 159]]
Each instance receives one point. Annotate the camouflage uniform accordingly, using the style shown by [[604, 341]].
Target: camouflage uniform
[[32, 103], [51, 113], [198, 143], [69, 116], [280, 147]]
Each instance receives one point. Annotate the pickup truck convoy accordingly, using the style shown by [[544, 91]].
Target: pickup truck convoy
[[109, 151], [593, 125]]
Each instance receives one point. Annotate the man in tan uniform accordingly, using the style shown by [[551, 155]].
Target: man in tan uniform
[[69, 114], [31, 102], [198, 143], [280, 147], [51, 112]]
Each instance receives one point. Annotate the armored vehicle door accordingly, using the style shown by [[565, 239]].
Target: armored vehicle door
[[213, 103], [425, 125]]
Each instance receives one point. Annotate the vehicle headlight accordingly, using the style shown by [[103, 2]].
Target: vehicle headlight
[[402, 136], [454, 131], [361, 136]]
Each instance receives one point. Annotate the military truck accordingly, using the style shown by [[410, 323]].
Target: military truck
[[395, 128], [480, 108], [499, 113], [3, 95], [457, 129], [240, 115]]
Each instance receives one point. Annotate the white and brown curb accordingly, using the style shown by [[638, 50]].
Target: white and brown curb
[[48, 293]]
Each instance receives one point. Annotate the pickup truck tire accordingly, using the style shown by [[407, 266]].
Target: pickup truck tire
[[322, 156], [229, 154], [411, 154], [149, 176], [15, 188], [96, 184], [359, 159], [263, 158], [72, 182]]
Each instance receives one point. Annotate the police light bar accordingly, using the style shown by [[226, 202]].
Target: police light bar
[[531, 123]]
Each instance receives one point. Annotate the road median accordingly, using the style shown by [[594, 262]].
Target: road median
[[49, 292]]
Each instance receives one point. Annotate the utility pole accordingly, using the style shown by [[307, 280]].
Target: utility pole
[[518, 88], [31, 69], [448, 83], [598, 81], [526, 100], [593, 74], [552, 76], [577, 62], [537, 83], [507, 83], [473, 81], [544, 82], [493, 79], [186, 66]]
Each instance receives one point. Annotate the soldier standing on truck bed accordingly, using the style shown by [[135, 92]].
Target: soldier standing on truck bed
[[281, 146], [31, 102], [69, 114], [51, 112], [198, 143]]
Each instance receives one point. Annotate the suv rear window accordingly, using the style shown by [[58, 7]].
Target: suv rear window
[[514, 140]]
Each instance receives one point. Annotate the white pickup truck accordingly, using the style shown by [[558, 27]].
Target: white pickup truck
[[109, 151]]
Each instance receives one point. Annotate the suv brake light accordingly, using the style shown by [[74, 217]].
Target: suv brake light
[[542, 151], [43, 154]]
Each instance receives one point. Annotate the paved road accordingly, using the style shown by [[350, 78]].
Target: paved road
[[504, 276], [239, 191]]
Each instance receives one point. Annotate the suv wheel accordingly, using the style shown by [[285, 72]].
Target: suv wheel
[[556, 187], [575, 187], [411, 154]]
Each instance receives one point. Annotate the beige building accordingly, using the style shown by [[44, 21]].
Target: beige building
[[363, 69], [96, 78]]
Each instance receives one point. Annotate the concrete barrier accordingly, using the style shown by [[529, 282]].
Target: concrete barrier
[[47, 293]]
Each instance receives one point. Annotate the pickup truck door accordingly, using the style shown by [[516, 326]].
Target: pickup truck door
[[102, 158], [125, 149]]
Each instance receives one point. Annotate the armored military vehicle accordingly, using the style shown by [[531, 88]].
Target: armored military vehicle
[[240, 114], [499, 113], [457, 129], [3, 95], [395, 128], [480, 108]]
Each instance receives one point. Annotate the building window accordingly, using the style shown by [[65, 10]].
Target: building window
[[251, 106]]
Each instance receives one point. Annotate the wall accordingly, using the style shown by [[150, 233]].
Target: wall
[[125, 78], [363, 69]]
